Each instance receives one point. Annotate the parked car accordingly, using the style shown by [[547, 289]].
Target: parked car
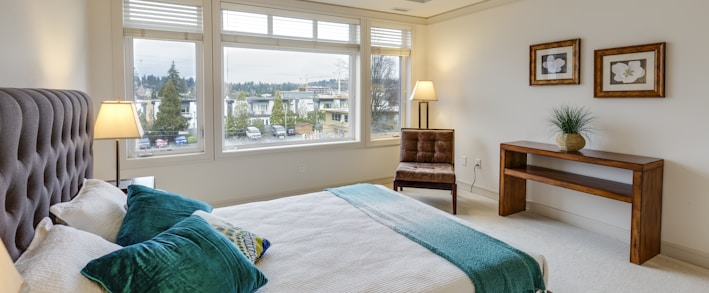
[[253, 132], [278, 130], [144, 143], [159, 143], [180, 140]]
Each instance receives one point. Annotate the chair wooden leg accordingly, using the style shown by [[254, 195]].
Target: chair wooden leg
[[454, 193]]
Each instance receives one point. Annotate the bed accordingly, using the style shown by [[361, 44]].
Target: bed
[[327, 241]]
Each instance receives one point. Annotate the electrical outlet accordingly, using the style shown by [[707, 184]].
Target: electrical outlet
[[478, 163], [301, 167], [465, 160]]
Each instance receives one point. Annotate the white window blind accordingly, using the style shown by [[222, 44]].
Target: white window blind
[[334, 31], [174, 15], [245, 22], [293, 27], [391, 41]]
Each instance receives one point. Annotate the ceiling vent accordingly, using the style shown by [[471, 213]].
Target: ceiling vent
[[401, 9], [419, 1]]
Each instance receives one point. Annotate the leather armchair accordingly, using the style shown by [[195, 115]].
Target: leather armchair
[[427, 160]]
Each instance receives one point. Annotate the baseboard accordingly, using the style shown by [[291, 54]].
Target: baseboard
[[685, 254], [669, 249]]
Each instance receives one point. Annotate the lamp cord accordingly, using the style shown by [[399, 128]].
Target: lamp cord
[[475, 177]]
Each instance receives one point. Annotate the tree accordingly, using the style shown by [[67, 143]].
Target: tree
[[278, 115], [239, 118], [169, 120], [179, 83], [385, 90]]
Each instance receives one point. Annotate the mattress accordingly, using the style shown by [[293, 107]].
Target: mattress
[[320, 243]]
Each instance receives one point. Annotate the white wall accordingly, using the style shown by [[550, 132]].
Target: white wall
[[480, 64], [44, 44]]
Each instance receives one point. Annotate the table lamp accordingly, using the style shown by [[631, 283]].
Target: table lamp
[[10, 278], [423, 93], [116, 120]]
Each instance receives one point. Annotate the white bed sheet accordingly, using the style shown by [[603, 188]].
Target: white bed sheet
[[320, 243]]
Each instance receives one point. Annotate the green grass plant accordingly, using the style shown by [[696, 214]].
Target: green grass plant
[[571, 120]]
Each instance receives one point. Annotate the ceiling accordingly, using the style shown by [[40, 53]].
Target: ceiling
[[405, 7]]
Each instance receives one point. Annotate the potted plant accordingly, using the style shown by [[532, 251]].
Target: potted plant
[[573, 124]]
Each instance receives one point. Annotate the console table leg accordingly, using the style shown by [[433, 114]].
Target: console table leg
[[646, 222], [513, 190]]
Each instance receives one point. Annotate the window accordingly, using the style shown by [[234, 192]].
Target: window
[[390, 50], [277, 69], [163, 43], [287, 70]]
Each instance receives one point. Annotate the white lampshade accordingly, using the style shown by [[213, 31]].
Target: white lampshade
[[423, 91], [10, 279], [117, 119]]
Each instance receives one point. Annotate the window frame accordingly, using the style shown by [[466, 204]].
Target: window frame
[[269, 42], [211, 81], [122, 84], [405, 68]]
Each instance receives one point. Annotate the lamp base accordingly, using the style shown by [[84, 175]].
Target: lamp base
[[118, 165], [423, 102]]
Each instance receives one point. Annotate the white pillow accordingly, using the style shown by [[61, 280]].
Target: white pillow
[[56, 255], [99, 208]]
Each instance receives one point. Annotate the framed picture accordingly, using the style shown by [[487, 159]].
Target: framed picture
[[630, 72], [554, 63]]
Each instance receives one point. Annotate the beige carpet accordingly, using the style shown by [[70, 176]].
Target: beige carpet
[[579, 260]]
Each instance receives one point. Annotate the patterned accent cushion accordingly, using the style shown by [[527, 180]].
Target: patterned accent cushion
[[251, 245]]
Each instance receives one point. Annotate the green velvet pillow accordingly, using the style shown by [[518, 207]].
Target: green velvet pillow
[[189, 257], [151, 211]]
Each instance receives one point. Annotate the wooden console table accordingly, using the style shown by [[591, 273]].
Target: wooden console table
[[645, 193]]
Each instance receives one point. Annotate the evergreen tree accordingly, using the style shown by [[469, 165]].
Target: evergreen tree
[[278, 114], [179, 83], [169, 119]]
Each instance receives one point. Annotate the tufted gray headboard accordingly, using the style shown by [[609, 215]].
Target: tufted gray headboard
[[46, 150]]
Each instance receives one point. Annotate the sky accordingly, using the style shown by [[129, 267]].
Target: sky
[[257, 65]]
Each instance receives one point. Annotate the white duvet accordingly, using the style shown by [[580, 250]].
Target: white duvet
[[320, 243]]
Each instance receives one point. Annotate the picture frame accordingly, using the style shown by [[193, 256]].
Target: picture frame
[[555, 63], [630, 72]]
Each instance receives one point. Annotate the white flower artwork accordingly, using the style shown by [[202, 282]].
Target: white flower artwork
[[627, 72], [554, 65]]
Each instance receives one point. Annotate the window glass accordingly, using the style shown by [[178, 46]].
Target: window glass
[[283, 94], [164, 88], [391, 46], [386, 96]]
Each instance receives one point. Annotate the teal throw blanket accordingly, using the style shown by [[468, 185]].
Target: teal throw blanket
[[492, 265]]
